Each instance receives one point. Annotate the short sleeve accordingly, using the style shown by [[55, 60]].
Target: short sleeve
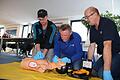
[[108, 30]]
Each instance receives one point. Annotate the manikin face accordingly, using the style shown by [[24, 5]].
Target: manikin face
[[65, 35], [43, 21]]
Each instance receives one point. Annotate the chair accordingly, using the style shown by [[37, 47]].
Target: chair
[[5, 35], [12, 46], [25, 49]]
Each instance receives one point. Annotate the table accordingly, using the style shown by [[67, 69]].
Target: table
[[16, 40]]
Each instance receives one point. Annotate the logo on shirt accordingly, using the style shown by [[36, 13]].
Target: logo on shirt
[[101, 32], [72, 45]]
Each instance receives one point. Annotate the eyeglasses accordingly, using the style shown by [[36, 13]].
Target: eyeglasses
[[86, 17]]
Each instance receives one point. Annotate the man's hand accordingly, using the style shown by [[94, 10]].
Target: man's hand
[[55, 59], [65, 60], [107, 75], [39, 55]]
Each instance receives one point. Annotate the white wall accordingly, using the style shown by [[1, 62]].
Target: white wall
[[24, 11], [116, 5]]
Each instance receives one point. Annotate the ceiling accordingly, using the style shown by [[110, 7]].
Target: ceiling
[[24, 11]]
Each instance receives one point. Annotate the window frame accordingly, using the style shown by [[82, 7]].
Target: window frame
[[24, 29]]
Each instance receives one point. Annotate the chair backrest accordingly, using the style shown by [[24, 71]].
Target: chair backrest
[[13, 46]]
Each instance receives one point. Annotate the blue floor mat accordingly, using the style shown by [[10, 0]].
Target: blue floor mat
[[7, 58]]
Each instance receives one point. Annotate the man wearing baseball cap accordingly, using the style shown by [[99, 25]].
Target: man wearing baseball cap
[[43, 34]]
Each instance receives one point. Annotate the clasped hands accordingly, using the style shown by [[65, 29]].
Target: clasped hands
[[64, 59], [39, 55]]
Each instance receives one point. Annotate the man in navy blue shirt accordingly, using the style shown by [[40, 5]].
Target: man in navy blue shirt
[[68, 47], [43, 34], [103, 32]]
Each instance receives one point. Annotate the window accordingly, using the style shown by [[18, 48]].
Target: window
[[78, 27], [25, 31], [12, 32], [1, 30]]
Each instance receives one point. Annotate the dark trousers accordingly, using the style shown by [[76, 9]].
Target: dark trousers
[[76, 64], [115, 67]]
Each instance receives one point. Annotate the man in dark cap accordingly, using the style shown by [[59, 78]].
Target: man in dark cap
[[43, 34]]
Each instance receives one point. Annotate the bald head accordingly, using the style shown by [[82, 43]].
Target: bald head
[[92, 16], [91, 9]]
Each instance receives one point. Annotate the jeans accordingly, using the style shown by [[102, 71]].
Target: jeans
[[98, 67], [76, 64], [50, 55]]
